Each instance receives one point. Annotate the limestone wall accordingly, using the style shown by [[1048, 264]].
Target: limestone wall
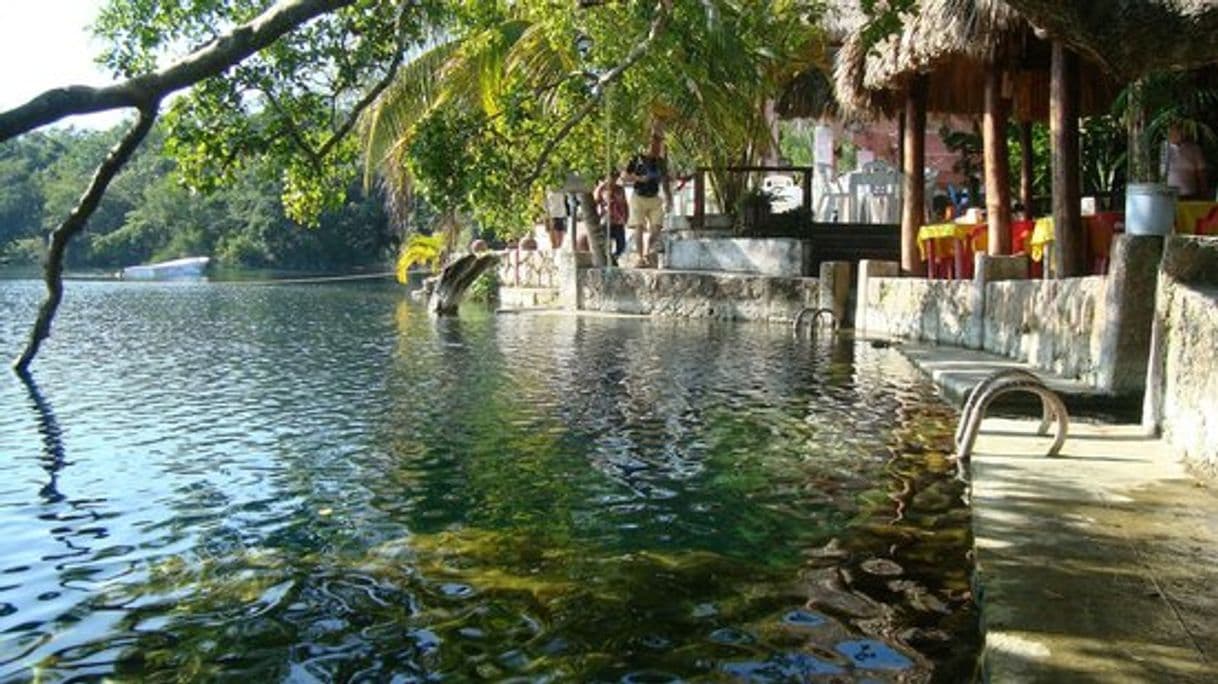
[[1190, 389], [1182, 382], [939, 311], [1051, 324], [695, 295]]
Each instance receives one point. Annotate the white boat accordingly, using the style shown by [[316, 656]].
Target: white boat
[[188, 268]]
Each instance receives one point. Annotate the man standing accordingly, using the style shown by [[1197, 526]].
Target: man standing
[[648, 173]]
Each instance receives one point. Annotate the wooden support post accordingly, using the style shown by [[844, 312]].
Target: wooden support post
[[997, 164], [700, 198], [901, 137], [913, 208], [1026, 168], [1064, 143]]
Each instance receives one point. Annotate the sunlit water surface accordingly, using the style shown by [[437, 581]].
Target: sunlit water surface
[[257, 483]]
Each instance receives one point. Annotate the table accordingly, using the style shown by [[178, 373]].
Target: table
[[1189, 212], [1042, 239], [957, 233]]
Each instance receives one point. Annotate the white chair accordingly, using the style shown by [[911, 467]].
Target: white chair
[[832, 204], [876, 190]]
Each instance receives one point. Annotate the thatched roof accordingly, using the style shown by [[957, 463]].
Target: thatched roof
[[1130, 38], [951, 41]]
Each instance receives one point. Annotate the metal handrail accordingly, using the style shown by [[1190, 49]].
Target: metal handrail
[[816, 314], [1051, 403], [995, 377]]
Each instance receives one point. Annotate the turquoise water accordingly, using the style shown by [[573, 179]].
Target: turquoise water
[[218, 481]]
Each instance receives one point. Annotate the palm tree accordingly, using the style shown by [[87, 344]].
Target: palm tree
[[706, 80]]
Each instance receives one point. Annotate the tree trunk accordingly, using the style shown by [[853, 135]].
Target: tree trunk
[[455, 280], [1141, 156], [1026, 168], [593, 229], [1064, 137], [913, 209], [72, 225], [997, 164]]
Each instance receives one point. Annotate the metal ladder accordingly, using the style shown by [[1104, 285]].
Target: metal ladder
[[816, 315], [1003, 382]]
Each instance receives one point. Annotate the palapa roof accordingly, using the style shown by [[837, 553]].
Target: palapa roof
[[1131, 38], [951, 42]]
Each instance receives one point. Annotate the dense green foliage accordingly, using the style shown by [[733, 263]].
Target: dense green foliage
[[513, 101], [150, 214]]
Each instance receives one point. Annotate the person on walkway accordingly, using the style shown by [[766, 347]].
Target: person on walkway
[[614, 211], [557, 217], [1184, 166], [648, 173]]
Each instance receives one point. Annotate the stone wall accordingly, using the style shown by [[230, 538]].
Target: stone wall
[[1182, 382], [695, 295], [1051, 324], [937, 311], [1096, 329]]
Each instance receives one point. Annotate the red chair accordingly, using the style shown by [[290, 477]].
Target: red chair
[[1208, 224], [939, 266], [1100, 231], [1021, 243]]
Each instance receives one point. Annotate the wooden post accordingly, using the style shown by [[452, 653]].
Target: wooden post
[[913, 208], [1064, 141], [901, 137], [1026, 168], [997, 164], [699, 198]]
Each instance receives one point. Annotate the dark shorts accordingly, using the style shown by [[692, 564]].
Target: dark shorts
[[558, 224]]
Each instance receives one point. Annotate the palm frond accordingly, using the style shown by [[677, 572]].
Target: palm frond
[[391, 118]]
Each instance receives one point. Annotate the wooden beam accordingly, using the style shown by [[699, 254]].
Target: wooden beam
[[1064, 144], [997, 163], [1026, 168], [913, 208]]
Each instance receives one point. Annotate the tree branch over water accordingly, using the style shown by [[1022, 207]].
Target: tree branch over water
[[147, 89], [145, 93], [75, 223]]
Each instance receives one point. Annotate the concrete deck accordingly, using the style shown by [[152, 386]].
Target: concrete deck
[[1099, 566]]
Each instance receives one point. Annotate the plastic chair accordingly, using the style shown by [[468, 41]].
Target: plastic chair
[[1021, 238], [1100, 230], [1208, 224]]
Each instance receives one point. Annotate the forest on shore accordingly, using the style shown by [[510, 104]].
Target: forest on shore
[[149, 214]]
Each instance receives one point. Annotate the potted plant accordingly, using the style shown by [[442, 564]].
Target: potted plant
[[753, 208], [1151, 107]]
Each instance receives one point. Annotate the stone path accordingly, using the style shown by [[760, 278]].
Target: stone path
[[1097, 566]]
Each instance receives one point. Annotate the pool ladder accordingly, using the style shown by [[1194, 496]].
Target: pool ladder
[[816, 315], [1005, 382]]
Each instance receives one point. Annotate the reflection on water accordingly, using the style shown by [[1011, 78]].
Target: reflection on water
[[322, 482]]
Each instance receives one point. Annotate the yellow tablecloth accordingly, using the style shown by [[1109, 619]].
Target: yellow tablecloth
[[942, 231], [1187, 214], [1042, 236]]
